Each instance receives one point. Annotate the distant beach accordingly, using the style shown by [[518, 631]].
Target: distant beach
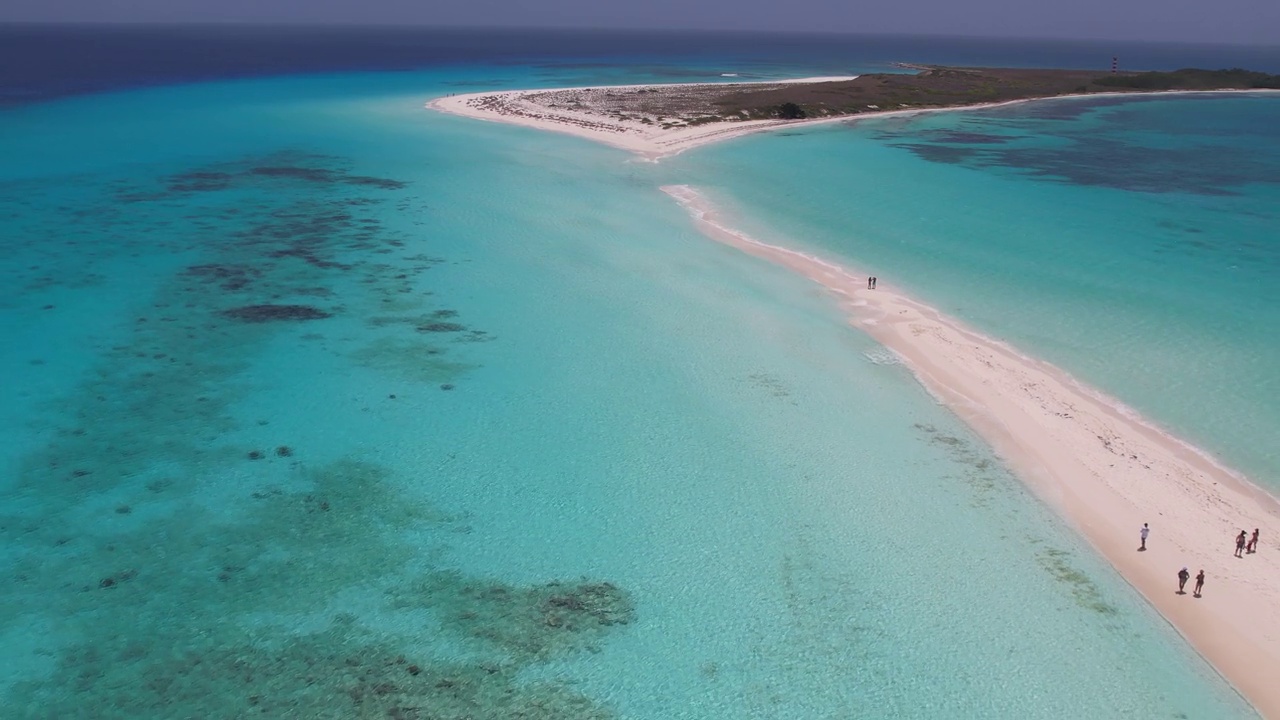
[[606, 114], [577, 111]]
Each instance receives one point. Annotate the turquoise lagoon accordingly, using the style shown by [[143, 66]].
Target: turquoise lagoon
[[323, 405], [1132, 241]]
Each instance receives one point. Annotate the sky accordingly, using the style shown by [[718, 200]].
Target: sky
[[1226, 21]]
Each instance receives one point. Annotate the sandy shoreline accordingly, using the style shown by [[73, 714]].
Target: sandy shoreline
[[1101, 465], [577, 111], [518, 107]]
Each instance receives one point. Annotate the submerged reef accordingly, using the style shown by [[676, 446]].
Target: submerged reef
[[1084, 154], [325, 175], [342, 672], [285, 166], [270, 234], [273, 313], [525, 623], [182, 633], [986, 479], [441, 327], [411, 359], [188, 561], [231, 277], [1084, 590]]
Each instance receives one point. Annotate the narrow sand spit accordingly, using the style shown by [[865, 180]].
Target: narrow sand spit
[[1105, 468]]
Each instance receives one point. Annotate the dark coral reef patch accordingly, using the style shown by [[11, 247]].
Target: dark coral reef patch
[[342, 672], [275, 313], [324, 175], [172, 642], [441, 327], [281, 167], [159, 614], [229, 277], [527, 623]]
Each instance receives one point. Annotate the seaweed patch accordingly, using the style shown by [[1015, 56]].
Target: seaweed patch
[[1083, 590]]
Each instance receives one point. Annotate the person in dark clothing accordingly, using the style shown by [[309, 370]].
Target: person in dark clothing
[[874, 280], [1240, 541], [868, 282], [1199, 584], [1183, 576], [1252, 547]]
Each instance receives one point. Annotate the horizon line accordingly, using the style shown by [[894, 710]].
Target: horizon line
[[409, 27]]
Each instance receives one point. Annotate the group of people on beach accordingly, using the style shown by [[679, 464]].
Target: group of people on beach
[[871, 283], [1244, 544], [1249, 546], [1183, 575]]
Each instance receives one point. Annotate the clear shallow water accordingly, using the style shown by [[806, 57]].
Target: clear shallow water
[[496, 360], [1131, 242]]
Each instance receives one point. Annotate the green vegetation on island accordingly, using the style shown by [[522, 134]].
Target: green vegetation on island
[[1191, 79], [937, 86], [917, 87]]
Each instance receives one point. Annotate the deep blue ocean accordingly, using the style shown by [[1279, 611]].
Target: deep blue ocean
[[39, 62], [319, 404]]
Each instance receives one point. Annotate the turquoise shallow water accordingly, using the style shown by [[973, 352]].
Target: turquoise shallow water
[[323, 405], [1132, 242]]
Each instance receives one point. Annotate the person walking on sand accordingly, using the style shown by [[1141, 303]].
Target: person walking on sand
[[1240, 544], [1252, 547], [1143, 535], [1199, 583], [874, 281], [868, 282], [1183, 575]]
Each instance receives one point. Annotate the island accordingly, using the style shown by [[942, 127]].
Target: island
[[658, 120]]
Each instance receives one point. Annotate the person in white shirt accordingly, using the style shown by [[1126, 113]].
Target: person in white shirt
[[1143, 534]]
